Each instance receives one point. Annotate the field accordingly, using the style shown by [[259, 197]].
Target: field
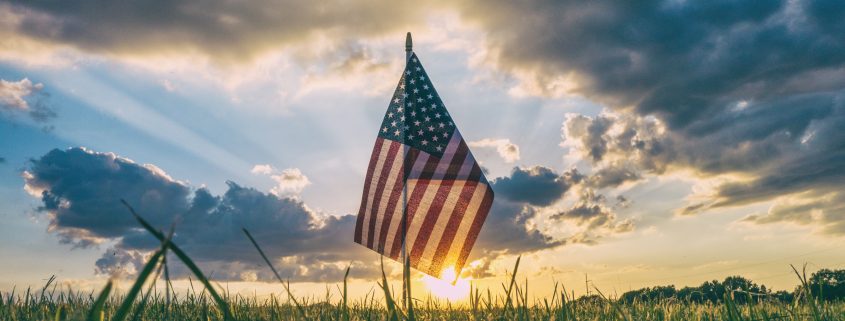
[[144, 301]]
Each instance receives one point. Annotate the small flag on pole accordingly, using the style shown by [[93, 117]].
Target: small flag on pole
[[421, 160]]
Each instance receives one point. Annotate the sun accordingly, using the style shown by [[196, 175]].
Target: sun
[[442, 287]]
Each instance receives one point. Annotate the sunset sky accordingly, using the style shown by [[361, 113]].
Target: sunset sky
[[629, 143]]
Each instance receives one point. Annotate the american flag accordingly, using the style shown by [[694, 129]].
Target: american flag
[[447, 195]]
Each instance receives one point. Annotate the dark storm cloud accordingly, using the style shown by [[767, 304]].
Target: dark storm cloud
[[81, 191], [537, 185], [222, 29], [511, 225], [680, 60], [720, 87]]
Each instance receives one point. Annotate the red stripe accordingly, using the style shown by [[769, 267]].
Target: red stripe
[[398, 187], [434, 211], [451, 229], [382, 181], [476, 227], [370, 169], [414, 201]]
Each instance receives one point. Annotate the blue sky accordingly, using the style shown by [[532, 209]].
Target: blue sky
[[708, 144]]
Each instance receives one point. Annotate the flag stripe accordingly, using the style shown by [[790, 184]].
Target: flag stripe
[[382, 182], [419, 203], [375, 161], [472, 234], [414, 199], [468, 219], [373, 182], [390, 214], [456, 216], [434, 215], [390, 189], [394, 236]]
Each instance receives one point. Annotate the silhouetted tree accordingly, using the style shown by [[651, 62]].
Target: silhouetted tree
[[828, 284]]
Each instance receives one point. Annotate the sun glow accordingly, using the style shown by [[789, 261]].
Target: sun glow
[[442, 287]]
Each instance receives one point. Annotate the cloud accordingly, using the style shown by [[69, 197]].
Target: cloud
[[263, 169], [289, 181], [540, 186], [80, 192], [591, 211], [825, 211], [224, 31], [748, 92], [507, 150], [516, 224], [23, 96]]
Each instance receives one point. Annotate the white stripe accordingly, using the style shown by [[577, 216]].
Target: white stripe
[[395, 225], [395, 170], [365, 226], [421, 213], [466, 223], [440, 226]]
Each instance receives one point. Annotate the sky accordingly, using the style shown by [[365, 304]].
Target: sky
[[629, 144]]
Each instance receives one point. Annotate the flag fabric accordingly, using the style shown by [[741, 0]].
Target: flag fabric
[[447, 195]]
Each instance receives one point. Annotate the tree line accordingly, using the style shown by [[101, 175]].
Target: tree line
[[825, 284]]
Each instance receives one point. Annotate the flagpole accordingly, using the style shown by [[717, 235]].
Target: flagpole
[[406, 269]]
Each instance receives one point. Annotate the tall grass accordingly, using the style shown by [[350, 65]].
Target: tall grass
[[511, 304]]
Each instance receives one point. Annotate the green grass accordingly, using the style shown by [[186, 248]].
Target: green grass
[[511, 303]]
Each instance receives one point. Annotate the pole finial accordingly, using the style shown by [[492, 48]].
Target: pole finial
[[408, 43]]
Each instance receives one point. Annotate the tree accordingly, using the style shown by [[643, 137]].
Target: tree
[[828, 285]]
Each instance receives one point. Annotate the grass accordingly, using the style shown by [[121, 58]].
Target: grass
[[512, 303]]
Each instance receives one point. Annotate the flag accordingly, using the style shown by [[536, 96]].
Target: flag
[[420, 148]]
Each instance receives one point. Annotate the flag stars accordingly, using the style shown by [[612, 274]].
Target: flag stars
[[417, 90], [431, 128], [425, 142], [425, 87], [441, 124], [419, 100], [434, 138], [439, 148], [396, 100], [390, 115], [393, 124], [427, 118]]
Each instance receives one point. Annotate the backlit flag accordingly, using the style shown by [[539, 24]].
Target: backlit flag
[[447, 195]]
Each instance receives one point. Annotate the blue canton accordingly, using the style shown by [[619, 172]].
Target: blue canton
[[416, 115]]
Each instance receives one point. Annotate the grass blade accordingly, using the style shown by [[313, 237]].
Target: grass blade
[[96, 312], [287, 286], [224, 307]]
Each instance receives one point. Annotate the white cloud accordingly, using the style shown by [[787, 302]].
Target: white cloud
[[13, 93], [289, 181], [263, 169], [507, 150]]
